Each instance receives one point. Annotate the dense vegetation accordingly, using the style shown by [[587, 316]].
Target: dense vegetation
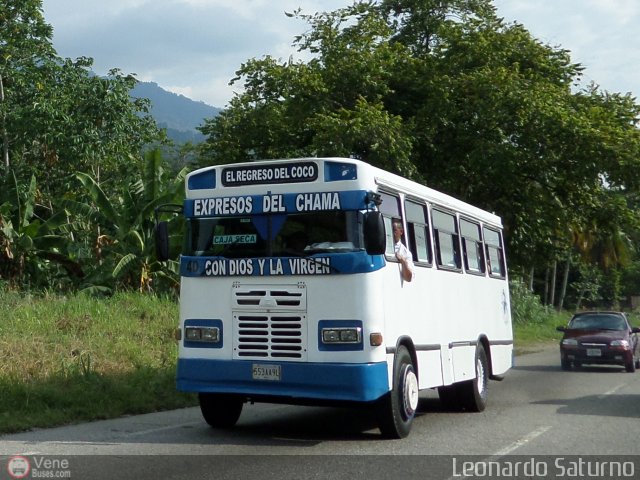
[[442, 91]]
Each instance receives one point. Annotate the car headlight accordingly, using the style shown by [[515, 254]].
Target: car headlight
[[570, 342], [620, 343]]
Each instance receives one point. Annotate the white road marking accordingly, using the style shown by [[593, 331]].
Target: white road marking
[[514, 446], [519, 443], [160, 429], [611, 392]]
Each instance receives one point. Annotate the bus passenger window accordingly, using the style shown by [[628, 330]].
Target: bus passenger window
[[447, 244], [472, 247], [390, 208], [418, 231], [495, 253]]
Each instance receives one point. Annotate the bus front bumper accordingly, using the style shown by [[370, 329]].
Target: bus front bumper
[[320, 381]]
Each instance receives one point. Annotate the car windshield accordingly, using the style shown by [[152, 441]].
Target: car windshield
[[275, 235], [598, 322]]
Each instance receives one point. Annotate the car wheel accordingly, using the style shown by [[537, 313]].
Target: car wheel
[[397, 408], [631, 366], [565, 364], [220, 410]]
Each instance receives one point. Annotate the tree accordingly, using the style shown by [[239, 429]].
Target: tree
[[446, 93], [299, 109], [56, 116], [25, 40]]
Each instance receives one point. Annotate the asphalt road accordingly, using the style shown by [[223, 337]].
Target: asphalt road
[[539, 413]]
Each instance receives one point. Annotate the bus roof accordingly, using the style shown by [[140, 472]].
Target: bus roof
[[375, 176]]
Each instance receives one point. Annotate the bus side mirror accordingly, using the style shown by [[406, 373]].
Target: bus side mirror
[[375, 240], [162, 241]]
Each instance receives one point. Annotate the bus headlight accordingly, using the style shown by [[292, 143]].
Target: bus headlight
[[202, 334], [342, 335]]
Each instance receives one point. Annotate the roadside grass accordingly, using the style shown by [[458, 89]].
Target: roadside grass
[[80, 358], [532, 335]]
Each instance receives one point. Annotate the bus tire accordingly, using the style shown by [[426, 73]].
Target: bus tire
[[474, 393], [397, 408], [220, 410]]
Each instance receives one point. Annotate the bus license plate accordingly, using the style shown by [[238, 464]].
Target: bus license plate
[[265, 372], [594, 352]]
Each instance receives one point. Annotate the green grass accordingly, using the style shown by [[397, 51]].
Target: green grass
[[79, 358], [530, 335]]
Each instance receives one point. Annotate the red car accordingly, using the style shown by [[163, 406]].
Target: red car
[[604, 338]]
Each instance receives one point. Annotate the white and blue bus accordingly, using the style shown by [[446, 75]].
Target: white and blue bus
[[291, 291]]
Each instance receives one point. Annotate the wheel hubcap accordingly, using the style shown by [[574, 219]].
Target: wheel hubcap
[[480, 375], [410, 392]]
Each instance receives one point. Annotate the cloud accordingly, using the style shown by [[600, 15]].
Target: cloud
[[194, 47], [600, 34], [184, 45]]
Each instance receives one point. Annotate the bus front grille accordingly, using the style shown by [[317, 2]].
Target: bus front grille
[[277, 336], [260, 297]]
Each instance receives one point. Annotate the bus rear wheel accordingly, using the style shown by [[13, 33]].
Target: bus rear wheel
[[474, 393], [397, 408], [220, 410]]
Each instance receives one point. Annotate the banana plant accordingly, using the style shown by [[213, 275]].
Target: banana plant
[[124, 224], [30, 243]]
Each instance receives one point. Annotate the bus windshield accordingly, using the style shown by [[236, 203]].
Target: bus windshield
[[256, 236]]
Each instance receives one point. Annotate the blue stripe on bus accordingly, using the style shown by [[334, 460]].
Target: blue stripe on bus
[[323, 381], [319, 264], [204, 180], [275, 203], [338, 171]]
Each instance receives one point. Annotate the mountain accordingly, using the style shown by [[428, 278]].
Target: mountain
[[177, 113]]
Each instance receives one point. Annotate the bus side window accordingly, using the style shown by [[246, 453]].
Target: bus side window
[[494, 253], [390, 208], [447, 240], [418, 232], [472, 247]]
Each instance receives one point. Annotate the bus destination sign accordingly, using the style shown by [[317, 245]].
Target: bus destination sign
[[265, 174]]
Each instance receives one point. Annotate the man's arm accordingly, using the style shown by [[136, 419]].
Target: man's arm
[[407, 266]]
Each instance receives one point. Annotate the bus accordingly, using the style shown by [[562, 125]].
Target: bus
[[291, 291]]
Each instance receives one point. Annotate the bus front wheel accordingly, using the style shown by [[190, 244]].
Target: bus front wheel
[[397, 408], [220, 410]]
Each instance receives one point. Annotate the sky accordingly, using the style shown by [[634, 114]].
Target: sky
[[194, 47]]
